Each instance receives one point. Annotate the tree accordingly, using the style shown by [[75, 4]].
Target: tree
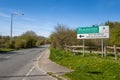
[[63, 36], [26, 40], [114, 33]]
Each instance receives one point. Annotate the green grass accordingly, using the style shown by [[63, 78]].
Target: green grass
[[90, 67], [4, 50]]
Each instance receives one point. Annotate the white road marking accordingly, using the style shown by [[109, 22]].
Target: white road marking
[[37, 63], [28, 73], [7, 56]]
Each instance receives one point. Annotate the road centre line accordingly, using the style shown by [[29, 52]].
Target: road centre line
[[28, 73]]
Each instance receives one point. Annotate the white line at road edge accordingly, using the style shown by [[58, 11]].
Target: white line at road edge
[[28, 72], [7, 56], [37, 65], [37, 62], [32, 68]]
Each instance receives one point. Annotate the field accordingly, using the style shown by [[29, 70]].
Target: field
[[90, 67]]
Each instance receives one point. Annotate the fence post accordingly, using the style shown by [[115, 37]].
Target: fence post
[[115, 52]]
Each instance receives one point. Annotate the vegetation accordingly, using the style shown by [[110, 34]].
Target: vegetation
[[87, 68], [27, 40], [114, 33], [64, 36], [90, 67], [4, 50]]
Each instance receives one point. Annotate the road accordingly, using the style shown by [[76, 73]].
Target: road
[[22, 65]]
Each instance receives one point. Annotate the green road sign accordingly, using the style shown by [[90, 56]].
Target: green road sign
[[87, 30], [94, 32]]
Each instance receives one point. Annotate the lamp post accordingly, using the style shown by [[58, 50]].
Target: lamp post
[[12, 14]]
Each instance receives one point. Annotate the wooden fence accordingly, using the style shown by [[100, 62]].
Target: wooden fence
[[78, 48]]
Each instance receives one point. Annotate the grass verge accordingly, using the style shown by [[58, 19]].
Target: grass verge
[[4, 50], [90, 67]]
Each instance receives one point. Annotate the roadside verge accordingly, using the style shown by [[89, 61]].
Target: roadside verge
[[50, 67]]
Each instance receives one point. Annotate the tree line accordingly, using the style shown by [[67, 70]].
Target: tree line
[[28, 39], [62, 36]]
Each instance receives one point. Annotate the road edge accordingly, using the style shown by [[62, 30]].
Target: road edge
[[37, 65]]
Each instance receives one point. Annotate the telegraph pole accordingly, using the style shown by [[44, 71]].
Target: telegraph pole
[[11, 28]]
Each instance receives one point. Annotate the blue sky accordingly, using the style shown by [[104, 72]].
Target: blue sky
[[41, 16]]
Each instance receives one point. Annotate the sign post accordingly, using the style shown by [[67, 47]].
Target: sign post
[[94, 32], [83, 48], [102, 47]]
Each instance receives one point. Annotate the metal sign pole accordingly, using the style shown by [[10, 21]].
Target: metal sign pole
[[102, 47], [83, 48]]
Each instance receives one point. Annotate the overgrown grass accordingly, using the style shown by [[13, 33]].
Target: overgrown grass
[[4, 50], [90, 67]]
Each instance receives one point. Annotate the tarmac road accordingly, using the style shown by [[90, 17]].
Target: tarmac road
[[22, 65]]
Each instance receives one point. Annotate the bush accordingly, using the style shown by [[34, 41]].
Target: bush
[[63, 36], [9, 45], [27, 40]]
